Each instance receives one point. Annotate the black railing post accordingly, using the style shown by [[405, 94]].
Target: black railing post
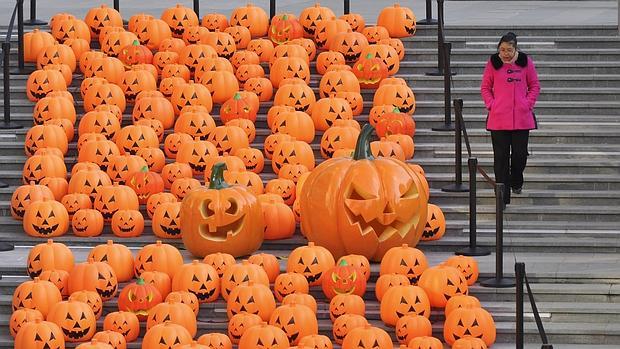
[[272, 8], [519, 274], [458, 185], [429, 14], [117, 5], [33, 15], [197, 7], [473, 249], [6, 77], [20, 35], [499, 281], [347, 7], [447, 90], [440, 41]]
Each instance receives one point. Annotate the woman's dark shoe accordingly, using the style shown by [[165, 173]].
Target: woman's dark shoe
[[517, 190]]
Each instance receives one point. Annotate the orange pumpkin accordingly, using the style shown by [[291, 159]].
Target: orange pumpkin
[[246, 216]]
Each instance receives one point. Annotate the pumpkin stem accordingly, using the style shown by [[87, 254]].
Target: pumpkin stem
[[136, 43], [362, 148], [369, 56], [395, 110], [343, 263], [217, 177], [140, 281], [144, 169], [284, 17], [237, 96]]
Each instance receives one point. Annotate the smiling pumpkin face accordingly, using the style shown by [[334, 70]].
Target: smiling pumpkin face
[[241, 322], [442, 283], [372, 212], [251, 298], [198, 278], [402, 300], [346, 304], [123, 322], [221, 218], [289, 283], [312, 261], [296, 320], [47, 218], [477, 323], [75, 318]]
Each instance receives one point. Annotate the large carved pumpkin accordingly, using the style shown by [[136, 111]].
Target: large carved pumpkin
[[368, 205], [221, 218]]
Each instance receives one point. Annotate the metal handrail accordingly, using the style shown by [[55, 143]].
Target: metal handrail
[[522, 280], [18, 12]]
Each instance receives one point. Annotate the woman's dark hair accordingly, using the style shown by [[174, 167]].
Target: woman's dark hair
[[510, 38]]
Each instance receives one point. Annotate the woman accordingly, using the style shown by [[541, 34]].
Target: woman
[[509, 89]]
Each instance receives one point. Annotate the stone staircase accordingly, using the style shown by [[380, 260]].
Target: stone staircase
[[564, 226]]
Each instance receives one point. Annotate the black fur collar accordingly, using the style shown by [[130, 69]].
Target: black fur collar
[[497, 62]]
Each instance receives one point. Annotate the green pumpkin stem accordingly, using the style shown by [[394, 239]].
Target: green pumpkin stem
[[144, 169], [362, 148], [217, 177], [136, 43], [343, 263], [369, 56], [140, 281], [284, 17], [237, 96], [395, 110]]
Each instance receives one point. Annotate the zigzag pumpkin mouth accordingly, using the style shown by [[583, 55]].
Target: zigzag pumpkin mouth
[[45, 231], [75, 334]]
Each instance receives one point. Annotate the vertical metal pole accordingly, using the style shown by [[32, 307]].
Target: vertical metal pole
[[197, 7], [440, 36], [473, 249], [429, 14], [447, 50], [499, 230], [447, 91], [117, 5], [6, 53], [519, 335], [472, 165], [272, 8], [347, 7], [33, 15], [440, 41], [499, 280], [20, 35], [458, 148]]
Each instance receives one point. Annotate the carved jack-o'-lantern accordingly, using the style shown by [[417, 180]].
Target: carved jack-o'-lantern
[[75, 318], [477, 323], [442, 283], [377, 216], [221, 218], [402, 300]]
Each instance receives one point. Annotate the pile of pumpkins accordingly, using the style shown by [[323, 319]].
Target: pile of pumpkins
[[263, 305], [174, 71]]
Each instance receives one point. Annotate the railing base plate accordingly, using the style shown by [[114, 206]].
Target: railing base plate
[[34, 22], [6, 246], [10, 125], [473, 251], [444, 127], [427, 21], [456, 188], [438, 72], [498, 282]]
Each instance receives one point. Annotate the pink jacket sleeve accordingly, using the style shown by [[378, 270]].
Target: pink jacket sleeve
[[533, 86], [486, 88]]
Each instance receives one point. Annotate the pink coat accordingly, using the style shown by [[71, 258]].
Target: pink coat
[[509, 91]]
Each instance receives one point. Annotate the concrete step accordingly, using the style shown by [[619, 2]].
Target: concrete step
[[471, 93], [536, 181], [539, 136], [546, 80], [476, 53], [554, 107], [543, 67]]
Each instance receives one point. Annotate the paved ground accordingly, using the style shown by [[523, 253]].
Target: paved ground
[[474, 13]]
